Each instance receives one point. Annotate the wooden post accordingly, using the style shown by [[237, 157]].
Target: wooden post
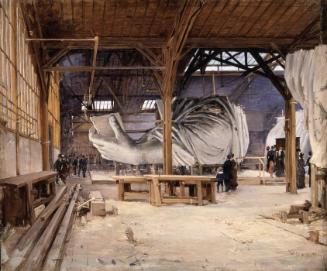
[[171, 55], [44, 130], [290, 146], [14, 76], [168, 160], [314, 186]]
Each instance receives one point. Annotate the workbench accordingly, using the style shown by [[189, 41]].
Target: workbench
[[125, 186], [23, 193], [170, 189]]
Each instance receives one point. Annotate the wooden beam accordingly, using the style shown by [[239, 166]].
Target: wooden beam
[[55, 255], [282, 89], [323, 21], [53, 60], [290, 146], [191, 42], [94, 63], [113, 94], [91, 68]]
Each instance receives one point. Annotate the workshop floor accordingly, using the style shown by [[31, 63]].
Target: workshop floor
[[231, 235]]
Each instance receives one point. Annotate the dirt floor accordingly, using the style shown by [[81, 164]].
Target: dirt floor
[[231, 235]]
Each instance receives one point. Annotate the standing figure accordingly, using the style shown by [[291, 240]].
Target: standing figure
[[271, 161], [300, 173], [58, 167], [75, 165], [309, 165], [233, 182], [280, 165], [227, 168], [82, 166], [64, 169], [220, 179], [267, 158]]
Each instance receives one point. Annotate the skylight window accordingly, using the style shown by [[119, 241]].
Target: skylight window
[[103, 105], [100, 105], [149, 105]]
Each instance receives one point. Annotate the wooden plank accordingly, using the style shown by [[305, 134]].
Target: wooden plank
[[54, 204], [55, 255], [156, 192], [38, 253], [314, 186], [179, 200], [199, 193], [136, 179], [121, 189], [29, 239]]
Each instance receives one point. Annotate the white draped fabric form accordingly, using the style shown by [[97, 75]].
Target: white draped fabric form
[[205, 130], [306, 77], [278, 131]]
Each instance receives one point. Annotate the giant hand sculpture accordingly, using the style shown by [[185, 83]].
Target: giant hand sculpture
[[205, 130]]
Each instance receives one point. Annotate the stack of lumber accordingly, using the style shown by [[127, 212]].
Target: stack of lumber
[[42, 245]]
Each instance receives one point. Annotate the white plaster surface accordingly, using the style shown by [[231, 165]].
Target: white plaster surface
[[204, 130], [306, 77], [30, 155]]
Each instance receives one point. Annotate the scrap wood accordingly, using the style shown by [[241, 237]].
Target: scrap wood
[[38, 253], [54, 204], [55, 254], [31, 236], [84, 203]]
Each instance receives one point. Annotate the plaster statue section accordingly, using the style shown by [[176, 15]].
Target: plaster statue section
[[204, 130], [306, 77]]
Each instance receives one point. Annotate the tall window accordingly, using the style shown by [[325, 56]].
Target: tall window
[[19, 88]]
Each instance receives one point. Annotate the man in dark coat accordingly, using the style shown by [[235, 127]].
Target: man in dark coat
[[82, 166], [300, 173], [309, 165], [75, 165], [233, 183], [58, 166], [280, 166], [227, 170]]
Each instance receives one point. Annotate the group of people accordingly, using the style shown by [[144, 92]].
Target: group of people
[[276, 164], [275, 161], [228, 177], [72, 164]]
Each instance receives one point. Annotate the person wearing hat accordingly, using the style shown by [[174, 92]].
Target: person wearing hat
[[58, 166], [227, 170], [300, 174]]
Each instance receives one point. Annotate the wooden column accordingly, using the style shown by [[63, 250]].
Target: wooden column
[[290, 146], [14, 75], [171, 56], [44, 130]]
